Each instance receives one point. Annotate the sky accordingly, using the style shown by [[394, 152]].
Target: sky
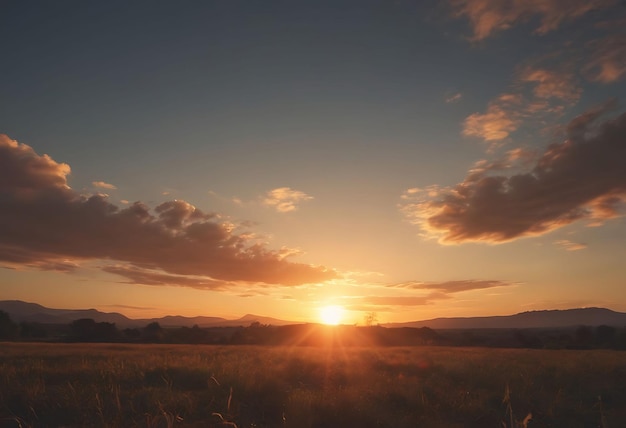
[[407, 159]]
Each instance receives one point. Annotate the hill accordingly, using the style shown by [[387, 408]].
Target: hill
[[20, 311], [32, 312], [531, 319]]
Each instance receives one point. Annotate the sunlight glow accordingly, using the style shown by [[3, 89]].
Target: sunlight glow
[[331, 315]]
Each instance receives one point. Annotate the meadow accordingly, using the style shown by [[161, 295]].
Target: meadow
[[122, 385]]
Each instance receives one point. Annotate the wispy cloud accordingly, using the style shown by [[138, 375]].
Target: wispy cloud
[[103, 185], [449, 287], [137, 275], [44, 222], [537, 91], [285, 199], [138, 308], [435, 291], [569, 245], [456, 97], [487, 17], [607, 61], [401, 300], [581, 178], [552, 83]]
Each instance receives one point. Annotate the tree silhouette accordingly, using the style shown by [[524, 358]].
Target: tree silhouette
[[8, 329]]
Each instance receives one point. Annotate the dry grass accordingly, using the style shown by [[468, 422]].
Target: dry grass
[[208, 386]]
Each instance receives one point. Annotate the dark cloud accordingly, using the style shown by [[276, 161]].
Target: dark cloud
[[581, 178], [44, 222], [137, 275]]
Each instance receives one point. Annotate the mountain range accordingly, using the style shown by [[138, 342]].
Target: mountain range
[[20, 311]]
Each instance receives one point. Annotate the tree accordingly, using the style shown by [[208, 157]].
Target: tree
[[371, 318], [153, 332], [8, 329], [605, 336], [87, 330]]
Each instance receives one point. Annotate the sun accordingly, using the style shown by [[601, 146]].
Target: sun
[[331, 315]]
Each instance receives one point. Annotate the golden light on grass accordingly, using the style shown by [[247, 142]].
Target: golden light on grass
[[331, 315]]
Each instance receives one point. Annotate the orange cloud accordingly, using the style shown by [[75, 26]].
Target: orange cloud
[[538, 91], [569, 245], [438, 291], [401, 300], [494, 125], [490, 16], [607, 62], [581, 178], [43, 221], [285, 199], [453, 286], [103, 185], [552, 84]]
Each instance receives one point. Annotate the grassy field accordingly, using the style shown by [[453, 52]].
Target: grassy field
[[209, 386]]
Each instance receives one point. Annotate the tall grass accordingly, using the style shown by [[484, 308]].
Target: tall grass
[[76, 385]]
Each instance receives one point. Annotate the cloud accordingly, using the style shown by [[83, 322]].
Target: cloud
[[607, 61], [538, 91], [43, 220], [436, 291], [548, 84], [448, 287], [103, 185], [285, 199], [569, 245], [139, 308], [401, 300], [487, 17], [494, 125], [454, 98], [16, 256], [582, 178], [138, 275]]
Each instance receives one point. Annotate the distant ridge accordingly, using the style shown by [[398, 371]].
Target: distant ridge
[[20, 311], [33, 312], [532, 319]]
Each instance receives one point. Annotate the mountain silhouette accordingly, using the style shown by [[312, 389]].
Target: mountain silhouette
[[20, 311], [532, 319]]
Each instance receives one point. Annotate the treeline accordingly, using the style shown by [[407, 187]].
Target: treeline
[[88, 330], [580, 337]]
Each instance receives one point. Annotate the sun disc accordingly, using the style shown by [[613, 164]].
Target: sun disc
[[331, 315]]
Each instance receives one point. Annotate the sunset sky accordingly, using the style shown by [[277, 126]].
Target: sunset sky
[[416, 159]]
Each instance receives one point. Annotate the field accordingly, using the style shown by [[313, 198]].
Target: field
[[78, 385]]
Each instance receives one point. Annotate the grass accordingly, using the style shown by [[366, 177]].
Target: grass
[[76, 385]]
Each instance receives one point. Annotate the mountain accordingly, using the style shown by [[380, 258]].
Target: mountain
[[180, 321], [250, 318], [31, 312], [531, 319]]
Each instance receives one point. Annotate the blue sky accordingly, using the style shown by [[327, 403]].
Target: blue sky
[[318, 129]]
